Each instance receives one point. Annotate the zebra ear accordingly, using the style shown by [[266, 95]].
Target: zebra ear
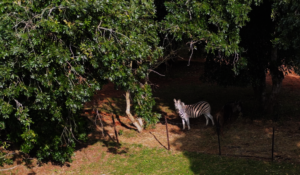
[[175, 100]]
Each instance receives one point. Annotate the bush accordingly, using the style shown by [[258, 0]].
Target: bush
[[56, 54]]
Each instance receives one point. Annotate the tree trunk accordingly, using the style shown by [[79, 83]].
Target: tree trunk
[[277, 77], [129, 115], [259, 87], [140, 120]]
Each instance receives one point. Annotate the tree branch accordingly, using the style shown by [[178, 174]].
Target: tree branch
[[111, 30], [9, 168], [191, 48]]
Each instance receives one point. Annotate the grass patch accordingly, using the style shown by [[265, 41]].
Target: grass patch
[[129, 134], [143, 160]]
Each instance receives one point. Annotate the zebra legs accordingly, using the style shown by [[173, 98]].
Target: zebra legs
[[206, 119], [187, 121], [211, 118]]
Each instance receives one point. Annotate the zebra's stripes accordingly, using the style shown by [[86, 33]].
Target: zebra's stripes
[[193, 111]]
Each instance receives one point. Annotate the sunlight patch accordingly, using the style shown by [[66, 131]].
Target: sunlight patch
[[237, 137], [298, 144], [269, 132]]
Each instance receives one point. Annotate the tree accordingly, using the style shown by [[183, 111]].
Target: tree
[[271, 39], [248, 37], [285, 43], [215, 23], [55, 54]]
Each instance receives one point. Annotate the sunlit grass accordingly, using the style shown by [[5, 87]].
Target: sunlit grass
[[129, 134], [143, 160]]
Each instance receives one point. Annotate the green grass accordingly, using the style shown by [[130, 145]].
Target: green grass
[[142, 160], [129, 134]]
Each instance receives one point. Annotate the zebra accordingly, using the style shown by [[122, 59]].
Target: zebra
[[193, 111]]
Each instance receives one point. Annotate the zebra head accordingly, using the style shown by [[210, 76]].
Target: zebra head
[[180, 107], [177, 104]]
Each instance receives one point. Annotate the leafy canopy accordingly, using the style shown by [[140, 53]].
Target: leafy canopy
[[55, 54]]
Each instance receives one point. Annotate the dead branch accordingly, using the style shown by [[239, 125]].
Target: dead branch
[[151, 70], [190, 14], [19, 105], [71, 50], [7, 155], [74, 136], [129, 115], [236, 58], [98, 116], [191, 48], [112, 31], [62, 135], [9, 168]]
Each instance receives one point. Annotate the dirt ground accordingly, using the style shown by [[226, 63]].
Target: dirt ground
[[243, 138], [257, 134]]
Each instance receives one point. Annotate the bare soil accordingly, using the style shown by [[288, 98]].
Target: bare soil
[[243, 138]]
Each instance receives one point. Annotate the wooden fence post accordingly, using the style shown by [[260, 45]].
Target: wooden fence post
[[116, 133], [167, 132], [218, 133], [273, 143]]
